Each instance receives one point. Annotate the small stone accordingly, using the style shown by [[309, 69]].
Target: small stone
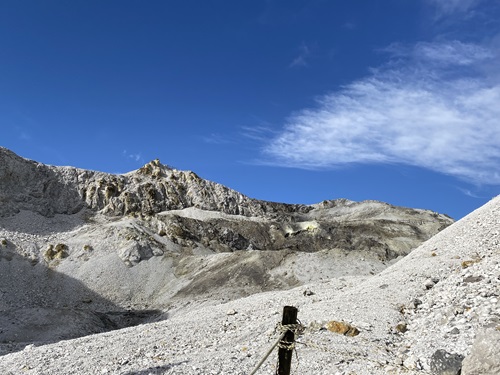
[[364, 325], [316, 326], [468, 263], [417, 302], [231, 312], [459, 310], [473, 279], [429, 284], [342, 328], [455, 331], [410, 362], [308, 292], [402, 327], [444, 363]]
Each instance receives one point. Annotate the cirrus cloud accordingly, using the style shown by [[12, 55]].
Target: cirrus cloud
[[447, 7], [431, 107]]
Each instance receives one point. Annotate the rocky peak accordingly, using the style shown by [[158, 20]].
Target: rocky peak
[[153, 188], [157, 236], [159, 197]]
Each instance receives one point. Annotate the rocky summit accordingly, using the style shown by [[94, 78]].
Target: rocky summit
[[190, 262]]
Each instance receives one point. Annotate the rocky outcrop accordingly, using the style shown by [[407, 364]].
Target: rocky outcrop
[[28, 185], [49, 190], [158, 238], [158, 194]]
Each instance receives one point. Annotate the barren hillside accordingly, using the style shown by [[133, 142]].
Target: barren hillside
[[85, 252]]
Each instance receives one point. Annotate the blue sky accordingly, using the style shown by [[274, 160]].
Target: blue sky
[[289, 101]]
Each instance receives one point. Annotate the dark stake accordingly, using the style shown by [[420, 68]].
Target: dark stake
[[286, 345]]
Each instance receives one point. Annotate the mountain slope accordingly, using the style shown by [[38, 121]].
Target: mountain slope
[[423, 314], [160, 240]]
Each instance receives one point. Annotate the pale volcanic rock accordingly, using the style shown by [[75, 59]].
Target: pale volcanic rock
[[210, 271]]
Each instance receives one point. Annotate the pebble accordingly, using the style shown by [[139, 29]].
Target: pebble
[[429, 284]]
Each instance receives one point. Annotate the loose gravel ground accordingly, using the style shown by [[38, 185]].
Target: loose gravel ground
[[437, 298]]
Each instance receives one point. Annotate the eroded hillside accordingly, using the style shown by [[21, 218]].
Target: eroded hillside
[[158, 239]]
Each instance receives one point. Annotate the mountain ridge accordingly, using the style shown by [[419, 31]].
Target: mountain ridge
[[148, 190], [101, 246], [107, 192]]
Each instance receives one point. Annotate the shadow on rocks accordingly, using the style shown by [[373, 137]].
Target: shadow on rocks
[[39, 305]]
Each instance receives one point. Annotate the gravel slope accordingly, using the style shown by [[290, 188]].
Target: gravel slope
[[445, 293]]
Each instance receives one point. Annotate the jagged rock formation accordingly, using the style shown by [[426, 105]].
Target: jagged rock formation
[[158, 238], [159, 193], [154, 188]]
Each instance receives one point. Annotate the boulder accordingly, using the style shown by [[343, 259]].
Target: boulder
[[444, 363], [484, 358]]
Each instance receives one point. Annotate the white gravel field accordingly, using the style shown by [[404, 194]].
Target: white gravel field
[[442, 296]]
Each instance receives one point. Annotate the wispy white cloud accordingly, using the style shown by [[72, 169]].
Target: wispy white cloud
[[258, 133], [217, 139], [301, 59], [24, 135], [448, 7], [472, 194], [134, 156], [442, 54], [349, 26], [431, 106]]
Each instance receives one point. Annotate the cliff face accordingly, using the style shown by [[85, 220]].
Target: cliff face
[[170, 201], [161, 197], [160, 238], [49, 190], [28, 185]]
